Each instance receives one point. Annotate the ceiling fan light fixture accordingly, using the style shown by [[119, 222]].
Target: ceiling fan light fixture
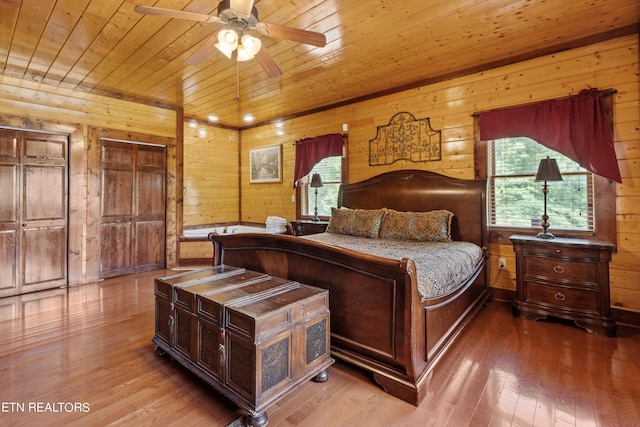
[[227, 42], [252, 44], [248, 47], [228, 36], [224, 48], [244, 54]]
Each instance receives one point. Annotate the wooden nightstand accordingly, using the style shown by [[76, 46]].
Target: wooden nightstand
[[304, 227], [565, 278]]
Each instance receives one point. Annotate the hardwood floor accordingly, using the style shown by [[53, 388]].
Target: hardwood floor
[[83, 357]]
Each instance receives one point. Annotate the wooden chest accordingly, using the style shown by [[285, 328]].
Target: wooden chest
[[251, 336]]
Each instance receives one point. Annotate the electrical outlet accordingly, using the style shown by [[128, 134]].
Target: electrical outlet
[[502, 263]]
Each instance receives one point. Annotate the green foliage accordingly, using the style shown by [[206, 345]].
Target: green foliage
[[519, 199], [330, 169]]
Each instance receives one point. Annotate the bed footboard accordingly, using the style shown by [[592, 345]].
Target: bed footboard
[[377, 319]]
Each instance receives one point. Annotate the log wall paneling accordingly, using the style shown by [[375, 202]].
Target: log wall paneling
[[211, 175], [196, 250], [31, 99], [275, 199]]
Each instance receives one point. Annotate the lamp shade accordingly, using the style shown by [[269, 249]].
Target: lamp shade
[[244, 54], [548, 170], [248, 47], [316, 181], [252, 44], [227, 42], [228, 37]]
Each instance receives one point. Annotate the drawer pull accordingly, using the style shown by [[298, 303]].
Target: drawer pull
[[558, 269], [559, 296], [558, 251]]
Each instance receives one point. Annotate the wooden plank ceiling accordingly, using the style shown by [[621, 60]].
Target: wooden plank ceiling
[[105, 47]]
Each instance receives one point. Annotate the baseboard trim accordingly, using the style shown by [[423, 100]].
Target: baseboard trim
[[626, 317], [182, 262], [621, 317]]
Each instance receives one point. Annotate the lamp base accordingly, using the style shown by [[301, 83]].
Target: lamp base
[[545, 235]]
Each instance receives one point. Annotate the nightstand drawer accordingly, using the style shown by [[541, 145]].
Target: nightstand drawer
[[559, 269], [566, 252], [564, 298]]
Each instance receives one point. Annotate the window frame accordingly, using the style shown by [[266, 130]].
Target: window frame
[[301, 189], [605, 227], [495, 204]]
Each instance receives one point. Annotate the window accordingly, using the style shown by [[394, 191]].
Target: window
[[516, 201], [330, 170]]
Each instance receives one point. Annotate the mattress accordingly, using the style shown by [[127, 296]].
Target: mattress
[[441, 267]]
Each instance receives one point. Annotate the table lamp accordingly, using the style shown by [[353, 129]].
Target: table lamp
[[316, 182], [547, 171]]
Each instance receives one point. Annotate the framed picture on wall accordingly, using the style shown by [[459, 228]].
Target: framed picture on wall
[[265, 164]]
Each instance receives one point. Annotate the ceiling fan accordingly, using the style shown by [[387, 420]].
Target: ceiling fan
[[239, 18]]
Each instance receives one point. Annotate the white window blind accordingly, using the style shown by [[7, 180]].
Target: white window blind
[[516, 200], [330, 170]]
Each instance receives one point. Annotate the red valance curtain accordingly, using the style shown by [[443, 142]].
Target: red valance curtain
[[576, 127], [310, 151]]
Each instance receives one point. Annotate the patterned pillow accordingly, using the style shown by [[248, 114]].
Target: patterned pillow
[[433, 226], [356, 222]]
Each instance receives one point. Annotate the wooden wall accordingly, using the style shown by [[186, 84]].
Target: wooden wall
[[611, 64], [211, 185], [26, 104], [211, 175]]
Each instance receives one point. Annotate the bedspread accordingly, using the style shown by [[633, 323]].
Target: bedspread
[[441, 267]]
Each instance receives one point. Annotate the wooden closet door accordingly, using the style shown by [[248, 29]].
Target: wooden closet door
[[133, 208], [9, 212], [116, 226], [33, 211], [44, 211], [150, 212]]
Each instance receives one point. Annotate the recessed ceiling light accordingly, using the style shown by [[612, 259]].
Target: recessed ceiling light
[[212, 118], [248, 117]]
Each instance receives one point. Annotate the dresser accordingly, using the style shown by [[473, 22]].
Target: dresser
[[253, 337], [565, 278]]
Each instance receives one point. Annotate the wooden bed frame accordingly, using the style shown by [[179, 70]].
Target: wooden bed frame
[[378, 321]]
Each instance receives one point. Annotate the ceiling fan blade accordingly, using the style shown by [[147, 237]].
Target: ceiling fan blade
[[267, 62], [242, 6], [203, 52], [180, 14], [293, 34]]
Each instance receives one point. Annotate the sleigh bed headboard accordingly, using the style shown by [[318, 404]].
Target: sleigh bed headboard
[[422, 191]]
